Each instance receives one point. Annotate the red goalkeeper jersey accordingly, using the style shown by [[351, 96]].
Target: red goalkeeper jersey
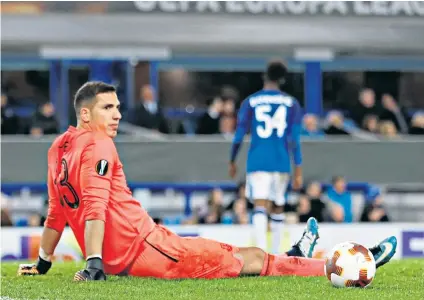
[[86, 181]]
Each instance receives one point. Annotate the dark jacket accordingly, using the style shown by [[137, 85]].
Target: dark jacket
[[140, 116]]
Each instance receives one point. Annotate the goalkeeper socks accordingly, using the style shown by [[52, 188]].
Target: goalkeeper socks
[[260, 225], [276, 229], [283, 265], [43, 266]]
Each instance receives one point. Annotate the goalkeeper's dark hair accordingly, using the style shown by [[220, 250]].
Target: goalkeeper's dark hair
[[276, 71], [89, 91]]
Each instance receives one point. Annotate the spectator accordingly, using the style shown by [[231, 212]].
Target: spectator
[[304, 208], [36, 132], [240, 214], [337, 213], [34, 220], [147, 113], [9, 122], [370, 123], [365, 107], [227, 124], [310, 126], [374, 210], [241, 195], [44, 121], [388, 129], [392, 112], [228, 106], [311, 204], [417, 124], [340, 201], [213, 213], [335, 124], [208, 123], [6, 220]]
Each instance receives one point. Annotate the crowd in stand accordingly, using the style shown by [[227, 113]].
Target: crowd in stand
[[335, 204], [368, 116], [332, 205], [43, 121]]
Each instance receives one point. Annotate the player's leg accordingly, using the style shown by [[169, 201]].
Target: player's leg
[[258, 262], [151, 262], [277, 224], [293, 262], [278, 191], [260, 222], [258, 185], [167, 255]]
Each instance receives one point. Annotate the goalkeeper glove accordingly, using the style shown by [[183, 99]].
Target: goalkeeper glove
[[93, 271], [40, 268]]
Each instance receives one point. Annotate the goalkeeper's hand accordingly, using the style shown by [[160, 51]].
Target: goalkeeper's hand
[[40, 268], [93, 271]]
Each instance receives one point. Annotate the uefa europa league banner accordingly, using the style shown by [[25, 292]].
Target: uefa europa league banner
[[275, 8], [289, 8]]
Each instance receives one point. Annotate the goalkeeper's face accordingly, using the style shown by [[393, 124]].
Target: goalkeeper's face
[[105, 113]]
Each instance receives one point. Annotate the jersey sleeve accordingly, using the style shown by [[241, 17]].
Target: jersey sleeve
[[55, 217], [296, 127], [97, 162], [243, 122]]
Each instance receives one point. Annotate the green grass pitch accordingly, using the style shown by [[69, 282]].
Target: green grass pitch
[[402, 279]]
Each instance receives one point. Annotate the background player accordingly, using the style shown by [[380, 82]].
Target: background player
[[88, 190], [273, 119]]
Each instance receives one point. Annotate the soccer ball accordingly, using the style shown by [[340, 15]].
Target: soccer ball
[[350, 265]]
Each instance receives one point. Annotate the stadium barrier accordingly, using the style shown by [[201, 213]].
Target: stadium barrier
[[23, 243], [186, 188], [205, 159]]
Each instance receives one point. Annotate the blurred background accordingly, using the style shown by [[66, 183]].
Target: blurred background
[[182, 69]]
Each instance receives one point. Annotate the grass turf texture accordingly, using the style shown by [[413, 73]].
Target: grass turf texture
[[402, 279]]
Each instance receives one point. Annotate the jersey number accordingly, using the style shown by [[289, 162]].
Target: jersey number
[[66, 190], [276, 121]]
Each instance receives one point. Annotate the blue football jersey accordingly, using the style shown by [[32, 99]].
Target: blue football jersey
[[273, 119]]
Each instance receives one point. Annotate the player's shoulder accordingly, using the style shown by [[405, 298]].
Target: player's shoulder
[[97, 138], [81, 139], [293, 100], [93, 143], [57, 143]]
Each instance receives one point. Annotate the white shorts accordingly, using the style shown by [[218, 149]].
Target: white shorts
[[267, 186]]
